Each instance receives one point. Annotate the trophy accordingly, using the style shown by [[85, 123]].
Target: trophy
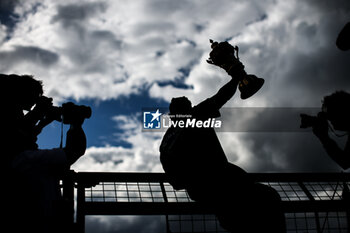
[[225, 56]]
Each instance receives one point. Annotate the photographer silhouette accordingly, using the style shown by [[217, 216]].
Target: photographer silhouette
[[32, 174], [335, 109]]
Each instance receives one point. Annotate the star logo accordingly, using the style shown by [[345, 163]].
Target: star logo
[[152, 119], [156, 115]]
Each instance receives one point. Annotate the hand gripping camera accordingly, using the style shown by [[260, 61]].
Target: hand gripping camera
[[308, 121]]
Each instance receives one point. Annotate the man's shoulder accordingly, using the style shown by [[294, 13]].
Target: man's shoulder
[[205, 109]]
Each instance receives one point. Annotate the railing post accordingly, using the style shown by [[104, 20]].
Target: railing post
[[68, 200], [80, 208], [311, 198], [166, 201], [346, 199]]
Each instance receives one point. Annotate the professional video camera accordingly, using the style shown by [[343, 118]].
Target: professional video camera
[[69, 113], [309, 121]]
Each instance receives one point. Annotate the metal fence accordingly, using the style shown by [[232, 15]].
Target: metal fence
[[313, 202]]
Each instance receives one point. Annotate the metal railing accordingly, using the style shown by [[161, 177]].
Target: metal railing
[[312, 202]]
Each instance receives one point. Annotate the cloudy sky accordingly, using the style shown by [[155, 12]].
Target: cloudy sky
[[121, 56]]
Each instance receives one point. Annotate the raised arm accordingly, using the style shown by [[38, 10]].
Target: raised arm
[[225, 93], [225, 56]]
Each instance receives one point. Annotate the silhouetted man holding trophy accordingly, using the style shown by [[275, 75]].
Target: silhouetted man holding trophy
[[193, 158]]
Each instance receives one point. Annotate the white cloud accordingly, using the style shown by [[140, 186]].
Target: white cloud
[[102, 50], [143, 154]]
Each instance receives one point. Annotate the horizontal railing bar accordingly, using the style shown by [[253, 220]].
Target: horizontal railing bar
[[161, 177], [120, 176], [163, 208]]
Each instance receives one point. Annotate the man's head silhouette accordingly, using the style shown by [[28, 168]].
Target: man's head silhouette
[[180, 105], [22, 91], [343, 39], [337, 106]]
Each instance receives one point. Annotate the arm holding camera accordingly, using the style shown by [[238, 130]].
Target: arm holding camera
[[320, 128], [340, 156], [74, 115], [40, 116], [44, 113], [75, 143], [76, 139]]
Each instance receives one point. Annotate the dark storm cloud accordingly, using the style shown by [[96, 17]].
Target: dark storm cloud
[[28, 54], [86, 47], [326, 6], [261, 18], [72, 13], [88, 52], [275, 140], [323, 70], [144, 28], [10, 18], [278, 120], [314, 68], [326, 72], [7, 15], [303, 61], [287, 152], [166, 7]]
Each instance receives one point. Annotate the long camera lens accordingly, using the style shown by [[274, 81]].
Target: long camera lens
[[69, 113], [72, 113]]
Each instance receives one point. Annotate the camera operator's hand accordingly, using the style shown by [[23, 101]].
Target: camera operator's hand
[[75, 143], [39, 112], [43, 104], [320, 126]]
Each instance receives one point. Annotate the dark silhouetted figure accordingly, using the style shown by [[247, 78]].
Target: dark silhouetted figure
[[343, 39], [31, 175], [335, 109], [193, 159]]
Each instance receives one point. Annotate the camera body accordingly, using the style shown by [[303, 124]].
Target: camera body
[[307, 121], [70, 113]]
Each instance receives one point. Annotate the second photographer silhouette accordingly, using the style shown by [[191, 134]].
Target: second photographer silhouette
[[31, 175]]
